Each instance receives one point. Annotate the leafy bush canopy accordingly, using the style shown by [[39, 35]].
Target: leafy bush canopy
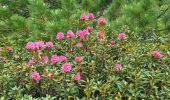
[[85, 49]]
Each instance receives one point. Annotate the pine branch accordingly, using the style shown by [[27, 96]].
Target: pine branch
[[163, 13]]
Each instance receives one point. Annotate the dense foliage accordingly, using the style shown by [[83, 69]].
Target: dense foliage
[[85, 49]]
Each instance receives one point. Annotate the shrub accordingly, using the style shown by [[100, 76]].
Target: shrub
[[60, 50]]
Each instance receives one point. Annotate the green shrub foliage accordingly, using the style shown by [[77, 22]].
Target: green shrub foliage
[[49, 50]]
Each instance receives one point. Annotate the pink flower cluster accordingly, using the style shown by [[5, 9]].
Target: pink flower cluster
[[84, 17], [45, 59], [70, 34], [79, 44], [56, 58], [100, 33], [89, 28], [38, 45], [62, 58], [31, 62], [49, 44], [78, 59], [77, 77], [66, 67], [118, 67], [99, 36], [35, 75], [87, 17], [60, 35], [156, 54], [112, 42], [82, 33], [10, 49], [121, 35], [101, 21]]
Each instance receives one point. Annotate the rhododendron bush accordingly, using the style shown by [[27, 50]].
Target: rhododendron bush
[[87, 60]]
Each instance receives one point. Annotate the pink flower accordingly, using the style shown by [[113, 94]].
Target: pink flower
[[79, 44], [54, 59], [83, 17], [39, 44], [78, 59], [101, 21], [35, 45], [30, 62], [112, 42], [89, 28], [62, 58], [45, 59], [35, 75], [30, 45], [70, 34], [91, 16], [118, 67], [156, 54], [49, 44], [100, 33], [60, 35], [86, 32], [77, 77], [66, 67], [81, 34], [99, 39], [10, 49], [121, 35]]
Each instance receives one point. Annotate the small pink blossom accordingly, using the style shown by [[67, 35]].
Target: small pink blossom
[[30, 45], [91, 16], [79, 44], [70, 34], [86, 32], [49, 44], [34, 45], [81, 34], [78, 59], [77, 77], [99, 39], [45, 59], [10, 49], [54, 59], [121, 35], [89, 28], [83, 17], [101, 21], [100, 33], [30, 62], [66, 67], [156, 54], [112, 42], [60, 35], [39, 44], [35, 75], [118, 67], [62, 58]]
